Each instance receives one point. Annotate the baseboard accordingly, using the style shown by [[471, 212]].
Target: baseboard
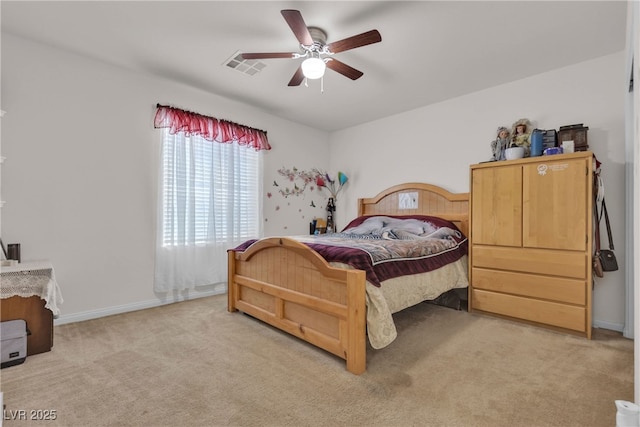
[[608, 325], [189, 295], [125, 308]]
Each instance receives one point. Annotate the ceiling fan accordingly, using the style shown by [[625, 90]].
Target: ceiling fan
[[318, 54]]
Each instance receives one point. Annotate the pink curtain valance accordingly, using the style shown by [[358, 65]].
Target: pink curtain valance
[[209, 128]]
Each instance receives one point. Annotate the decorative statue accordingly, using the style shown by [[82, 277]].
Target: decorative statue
[[500, 144], [521, 136]]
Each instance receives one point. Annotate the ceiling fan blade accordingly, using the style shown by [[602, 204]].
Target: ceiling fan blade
[[297, 78], [344, 69], [267, 55], [299, 28], [352, 42]]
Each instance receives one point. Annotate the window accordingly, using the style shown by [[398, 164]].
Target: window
[[211, 192], [209, 196]]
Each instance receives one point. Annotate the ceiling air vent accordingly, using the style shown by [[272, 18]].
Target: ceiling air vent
[[246, 66]]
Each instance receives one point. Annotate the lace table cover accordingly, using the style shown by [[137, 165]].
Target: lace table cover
[[29, 279]]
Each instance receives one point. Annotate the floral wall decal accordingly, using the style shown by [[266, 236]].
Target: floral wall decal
[[294, 183], [306, 179], [330, 181]]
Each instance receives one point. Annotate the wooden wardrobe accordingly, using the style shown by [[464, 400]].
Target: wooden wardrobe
[[531, 240]]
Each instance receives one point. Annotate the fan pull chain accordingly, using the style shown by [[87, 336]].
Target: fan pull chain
[[322, 84]]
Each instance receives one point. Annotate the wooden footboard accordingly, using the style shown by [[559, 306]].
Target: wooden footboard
[[288, 285]]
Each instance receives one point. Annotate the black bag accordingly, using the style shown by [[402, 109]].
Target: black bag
[[608, 260], [607, 256]]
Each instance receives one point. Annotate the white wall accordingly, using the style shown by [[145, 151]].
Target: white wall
[[81, 170], [437, 143]]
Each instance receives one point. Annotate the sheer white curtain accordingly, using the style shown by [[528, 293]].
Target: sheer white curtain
[[210, 200]]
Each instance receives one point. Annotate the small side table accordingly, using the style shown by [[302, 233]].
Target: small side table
[[29, 291]]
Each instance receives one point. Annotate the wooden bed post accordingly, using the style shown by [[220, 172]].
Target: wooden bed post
[[356, 324], [232, 288]]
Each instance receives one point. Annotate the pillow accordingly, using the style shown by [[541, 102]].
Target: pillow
[[369, 225], [436, 221], [395, 228]]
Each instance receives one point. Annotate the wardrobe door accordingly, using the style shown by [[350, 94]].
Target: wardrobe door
[[496, 212], [555, 202]]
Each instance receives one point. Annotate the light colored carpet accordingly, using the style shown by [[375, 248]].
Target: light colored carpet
[[195, 364]]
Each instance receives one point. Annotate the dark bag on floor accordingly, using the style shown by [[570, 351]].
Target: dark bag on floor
[[13, 342]]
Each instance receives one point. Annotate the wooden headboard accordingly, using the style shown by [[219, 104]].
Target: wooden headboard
[[419, 199]]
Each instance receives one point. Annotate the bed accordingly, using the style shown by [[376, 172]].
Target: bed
[[284, 282]]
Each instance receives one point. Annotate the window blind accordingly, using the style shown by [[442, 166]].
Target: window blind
[[211, 192]]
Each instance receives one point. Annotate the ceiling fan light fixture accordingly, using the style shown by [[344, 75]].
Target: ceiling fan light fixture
[[313, 68], [313, 46]]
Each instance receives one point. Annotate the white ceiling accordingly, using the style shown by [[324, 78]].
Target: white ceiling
[[430, 50]]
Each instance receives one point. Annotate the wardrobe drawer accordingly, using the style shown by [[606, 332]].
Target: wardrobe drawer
[[546, 312], [572, 291], [539, 261]]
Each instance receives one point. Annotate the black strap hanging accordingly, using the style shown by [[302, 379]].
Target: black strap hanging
[[606, 219]]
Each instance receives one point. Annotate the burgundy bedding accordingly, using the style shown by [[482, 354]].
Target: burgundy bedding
[[388, 247]]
